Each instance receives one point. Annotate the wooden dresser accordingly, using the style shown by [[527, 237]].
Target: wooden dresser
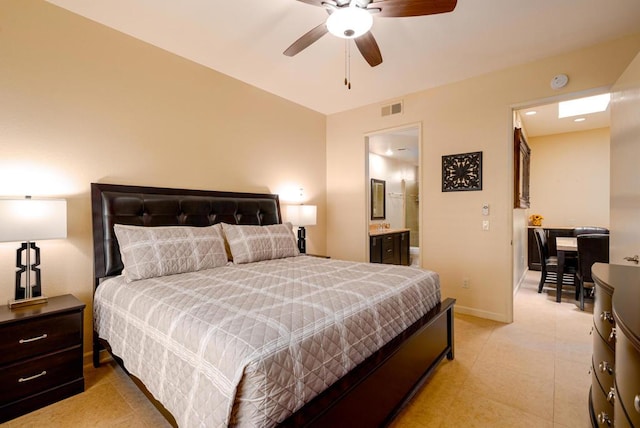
[[40, 355], [389, 246], [614, 399]]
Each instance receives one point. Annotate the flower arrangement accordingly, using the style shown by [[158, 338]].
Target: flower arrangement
[[536, 219]]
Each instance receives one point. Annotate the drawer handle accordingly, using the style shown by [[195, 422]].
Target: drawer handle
[[605, 367], [636, 403], [27, 379], [607, 316], [611, 396], [612, 336], [33, 339], [604, 419]]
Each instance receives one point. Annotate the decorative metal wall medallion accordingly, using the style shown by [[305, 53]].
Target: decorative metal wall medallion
[[462, 172]]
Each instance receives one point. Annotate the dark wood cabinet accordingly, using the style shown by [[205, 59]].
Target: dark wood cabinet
[[532, 247], [40, 355], [614, 399], [390, 248]]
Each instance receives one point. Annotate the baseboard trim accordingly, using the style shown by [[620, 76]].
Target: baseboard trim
[[494, 316], [520, 281]]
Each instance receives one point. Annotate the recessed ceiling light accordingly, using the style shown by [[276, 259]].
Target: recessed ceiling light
[[582, 106], [389, 152], [531, 113], [580, 119]]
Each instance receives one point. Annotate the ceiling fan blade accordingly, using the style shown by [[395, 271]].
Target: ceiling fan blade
[[402, 8], [369, 49], [320, 3], [306, 40]]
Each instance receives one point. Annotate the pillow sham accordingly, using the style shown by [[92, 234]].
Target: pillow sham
[[149, 252], [256, 243]]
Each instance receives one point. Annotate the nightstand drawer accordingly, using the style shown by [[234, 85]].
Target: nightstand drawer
[[39, 374], [39, 335]]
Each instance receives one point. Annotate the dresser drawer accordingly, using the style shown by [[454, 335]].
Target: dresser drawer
[[603, 312], [603, 362], [621, 418], [39, 374], [602, 409], [39, 335], [628, 378]]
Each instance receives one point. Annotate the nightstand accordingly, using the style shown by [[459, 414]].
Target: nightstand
[[40, 355]]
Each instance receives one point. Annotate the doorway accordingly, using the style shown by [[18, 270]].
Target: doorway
[[393, 156], [569, 175]]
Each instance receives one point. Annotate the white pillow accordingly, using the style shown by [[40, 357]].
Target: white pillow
[[149, 252], [255, 243]]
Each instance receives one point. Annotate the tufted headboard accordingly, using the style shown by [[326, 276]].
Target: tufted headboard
[[155, 206]]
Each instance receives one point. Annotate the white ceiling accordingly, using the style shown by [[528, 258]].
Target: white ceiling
[[401, 145], [245, 39], [546, 122]]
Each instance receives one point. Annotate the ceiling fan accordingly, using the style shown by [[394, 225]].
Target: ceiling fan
[[352, 19]]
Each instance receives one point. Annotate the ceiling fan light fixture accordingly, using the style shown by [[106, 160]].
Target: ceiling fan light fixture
[[349, 22]]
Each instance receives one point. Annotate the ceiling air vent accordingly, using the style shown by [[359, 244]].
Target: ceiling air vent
[[391, 109]]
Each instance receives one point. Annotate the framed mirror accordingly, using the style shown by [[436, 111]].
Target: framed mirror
[[378, 203], [521, 168]]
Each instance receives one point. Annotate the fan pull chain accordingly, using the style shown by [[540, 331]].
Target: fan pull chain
[[347, 64]]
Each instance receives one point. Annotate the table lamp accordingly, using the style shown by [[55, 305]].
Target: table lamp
[[28, 220], [301, 216]]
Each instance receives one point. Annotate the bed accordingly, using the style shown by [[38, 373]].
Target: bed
[[276, 340]]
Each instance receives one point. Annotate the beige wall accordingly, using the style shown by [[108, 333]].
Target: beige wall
[[82, 103], [570, 178], [475, 114]]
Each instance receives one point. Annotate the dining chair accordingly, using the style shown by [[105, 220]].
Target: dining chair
[[591, 249], [589, 230], [549, 264]]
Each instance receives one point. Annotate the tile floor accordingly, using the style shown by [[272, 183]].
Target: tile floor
[[531, 373]]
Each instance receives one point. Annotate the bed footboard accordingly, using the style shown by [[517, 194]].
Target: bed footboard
[[373, 393]]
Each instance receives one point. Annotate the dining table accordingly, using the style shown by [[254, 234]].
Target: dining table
[[564, 245]]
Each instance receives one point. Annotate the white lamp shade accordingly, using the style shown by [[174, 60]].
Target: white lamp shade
[[301, 215], [32, 219], [349, 22]]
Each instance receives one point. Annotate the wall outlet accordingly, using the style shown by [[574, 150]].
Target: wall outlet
[[466, 283], [485, 224]]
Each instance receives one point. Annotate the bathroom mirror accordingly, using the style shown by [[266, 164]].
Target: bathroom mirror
[[378, 199]]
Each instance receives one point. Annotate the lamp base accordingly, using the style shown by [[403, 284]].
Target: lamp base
[[27, 302], [30, 289], [302, 244]]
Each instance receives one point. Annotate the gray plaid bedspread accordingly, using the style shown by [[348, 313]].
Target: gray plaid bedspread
[[248, 345]]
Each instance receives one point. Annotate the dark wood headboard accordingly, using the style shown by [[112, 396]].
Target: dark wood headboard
[[155, 206]]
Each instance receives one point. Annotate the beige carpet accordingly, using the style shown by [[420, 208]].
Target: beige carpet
[[532, 373]]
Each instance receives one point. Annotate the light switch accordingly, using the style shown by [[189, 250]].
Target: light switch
[[485, 224], [485, 209]]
